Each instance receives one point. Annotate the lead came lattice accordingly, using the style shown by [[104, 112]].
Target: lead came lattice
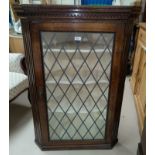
[[77, 70]]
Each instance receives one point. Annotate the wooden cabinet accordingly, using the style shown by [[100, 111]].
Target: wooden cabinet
[[76, 59], [138, 78]]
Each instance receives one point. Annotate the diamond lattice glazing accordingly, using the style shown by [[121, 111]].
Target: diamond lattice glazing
[[77, 70]]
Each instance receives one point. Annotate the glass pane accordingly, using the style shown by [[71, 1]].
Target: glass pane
[[77, 70]]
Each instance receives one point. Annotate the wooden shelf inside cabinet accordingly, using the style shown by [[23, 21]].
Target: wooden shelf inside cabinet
[[138, 78], [76, 59]]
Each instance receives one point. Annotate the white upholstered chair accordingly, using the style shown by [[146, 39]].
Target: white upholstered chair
[[18, 81]]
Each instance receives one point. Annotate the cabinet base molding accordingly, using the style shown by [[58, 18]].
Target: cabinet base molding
[[77, 147]]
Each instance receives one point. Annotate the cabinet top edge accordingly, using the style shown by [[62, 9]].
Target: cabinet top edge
[[76, 12]]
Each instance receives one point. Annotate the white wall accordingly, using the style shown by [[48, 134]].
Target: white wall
[[69, 2], [129, 2]]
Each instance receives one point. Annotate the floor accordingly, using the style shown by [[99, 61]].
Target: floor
[[22, 133]]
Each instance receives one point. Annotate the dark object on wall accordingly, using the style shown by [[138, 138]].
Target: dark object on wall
[[10, 19], [142, 17], [76, 60], [132, 47]]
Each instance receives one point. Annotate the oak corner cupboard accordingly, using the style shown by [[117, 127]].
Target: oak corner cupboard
[[76, 59], [138, 78]]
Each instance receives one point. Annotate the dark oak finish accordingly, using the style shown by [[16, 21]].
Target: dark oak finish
[[37, 18]]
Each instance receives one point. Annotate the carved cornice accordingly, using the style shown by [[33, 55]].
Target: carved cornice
[[76, 12]]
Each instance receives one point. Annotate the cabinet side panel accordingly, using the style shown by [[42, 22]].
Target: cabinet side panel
[[114, 85], [31, 77], [124, 42]]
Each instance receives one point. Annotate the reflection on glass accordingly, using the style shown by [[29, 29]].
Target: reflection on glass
[[77, 70]]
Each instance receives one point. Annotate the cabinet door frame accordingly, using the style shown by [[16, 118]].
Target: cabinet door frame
[[34, 57]]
